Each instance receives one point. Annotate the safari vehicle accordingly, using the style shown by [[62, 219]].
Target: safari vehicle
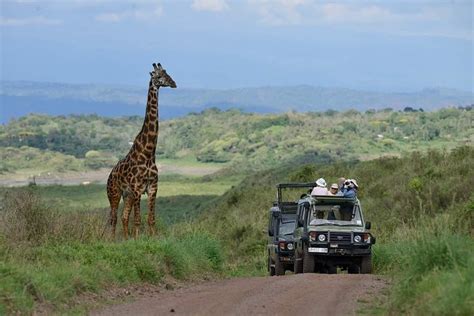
[[331, 233], [281, 225]]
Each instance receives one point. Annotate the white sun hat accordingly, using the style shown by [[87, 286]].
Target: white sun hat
[[354, 182], [321, 182]]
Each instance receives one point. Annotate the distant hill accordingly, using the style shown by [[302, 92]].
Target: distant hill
[[242, 140], [21, 97]]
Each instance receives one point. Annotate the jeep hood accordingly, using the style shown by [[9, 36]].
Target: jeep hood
[[335, 228], [285, 238]]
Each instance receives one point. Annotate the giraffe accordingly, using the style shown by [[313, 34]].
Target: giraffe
[[137, 173]]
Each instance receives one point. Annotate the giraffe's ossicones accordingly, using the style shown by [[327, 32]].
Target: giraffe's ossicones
[[137, 173]]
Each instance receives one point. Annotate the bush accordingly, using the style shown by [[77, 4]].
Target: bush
[[26, 219]]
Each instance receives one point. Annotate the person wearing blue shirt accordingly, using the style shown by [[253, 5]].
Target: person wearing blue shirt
[[349, 190]]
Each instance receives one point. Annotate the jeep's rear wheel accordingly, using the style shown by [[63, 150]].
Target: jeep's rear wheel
[[279, 267], [353, 269], [298, 264], [271, 270], [366, 265], [308, 262]]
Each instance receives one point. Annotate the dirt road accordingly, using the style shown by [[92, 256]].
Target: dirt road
[[303, 294]]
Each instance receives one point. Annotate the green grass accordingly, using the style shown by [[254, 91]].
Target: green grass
[[94, 196], [420, 205], [432, 264], [56, 273], [421, 211]]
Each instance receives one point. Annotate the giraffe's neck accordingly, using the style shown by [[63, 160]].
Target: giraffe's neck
[[145, 142]]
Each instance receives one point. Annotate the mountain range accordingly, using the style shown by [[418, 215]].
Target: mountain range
[[18, 98]]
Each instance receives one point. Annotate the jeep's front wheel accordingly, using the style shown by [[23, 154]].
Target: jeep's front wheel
[[366, 265], [279, 267], [308, 262]]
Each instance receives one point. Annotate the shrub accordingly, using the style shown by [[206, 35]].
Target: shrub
[[26, 218]]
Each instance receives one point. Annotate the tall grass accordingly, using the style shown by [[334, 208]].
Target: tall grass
[[433, 263], [422, 214], [49, 257]]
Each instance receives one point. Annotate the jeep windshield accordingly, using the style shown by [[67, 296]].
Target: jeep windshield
[[287, 227], [337, 215]]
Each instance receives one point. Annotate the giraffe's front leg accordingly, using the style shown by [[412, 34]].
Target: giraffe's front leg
[[129, 201], [136, 217], [153, 188]]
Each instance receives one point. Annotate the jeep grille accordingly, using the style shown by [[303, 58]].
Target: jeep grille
[[341, 238]]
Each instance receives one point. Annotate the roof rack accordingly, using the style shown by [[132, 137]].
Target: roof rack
[[281, 186], [333, 199]]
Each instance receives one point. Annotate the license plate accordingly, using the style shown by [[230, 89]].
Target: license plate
[[319, 250]]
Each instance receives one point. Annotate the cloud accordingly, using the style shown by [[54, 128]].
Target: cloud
[[417, 19], [141, 14], [109, 17], [343, 13], [210, 5], [279, 12], [30, 21], [311, 12]]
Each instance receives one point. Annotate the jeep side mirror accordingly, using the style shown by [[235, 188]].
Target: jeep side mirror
[[373, 240], [367, 225], [270, 232], [300, 223]]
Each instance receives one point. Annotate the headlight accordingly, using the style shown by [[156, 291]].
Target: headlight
[[289, 246], [322, 237], [357, 238], [282, 245], [312, 236]]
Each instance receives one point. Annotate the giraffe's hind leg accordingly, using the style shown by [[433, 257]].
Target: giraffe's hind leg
[[151, 208], [114, 196]]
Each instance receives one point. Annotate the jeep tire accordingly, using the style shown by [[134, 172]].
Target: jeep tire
[[353, 269], [308, 261], [298, 264], [271, 270], [279, 267], [366, 265]]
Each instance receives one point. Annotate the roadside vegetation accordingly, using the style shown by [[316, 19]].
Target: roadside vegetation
[[422, 210], [53, 245], [242, 140], [50, 257]]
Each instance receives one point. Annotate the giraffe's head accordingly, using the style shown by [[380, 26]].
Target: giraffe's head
[[159, 77]]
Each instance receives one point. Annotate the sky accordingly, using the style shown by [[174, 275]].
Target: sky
[[220, 44]]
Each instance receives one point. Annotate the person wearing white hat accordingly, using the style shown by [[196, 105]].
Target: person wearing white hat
[[320, 188], [350, 188]]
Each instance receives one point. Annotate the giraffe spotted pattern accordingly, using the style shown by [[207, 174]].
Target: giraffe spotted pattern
[[137, 173]]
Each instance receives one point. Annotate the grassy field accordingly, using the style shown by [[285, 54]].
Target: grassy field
[[422, 212], [54, 247], [420, 206]]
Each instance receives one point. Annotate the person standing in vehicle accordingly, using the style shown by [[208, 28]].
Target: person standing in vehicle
[[320, 188], [350, 189], [333, 189]]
